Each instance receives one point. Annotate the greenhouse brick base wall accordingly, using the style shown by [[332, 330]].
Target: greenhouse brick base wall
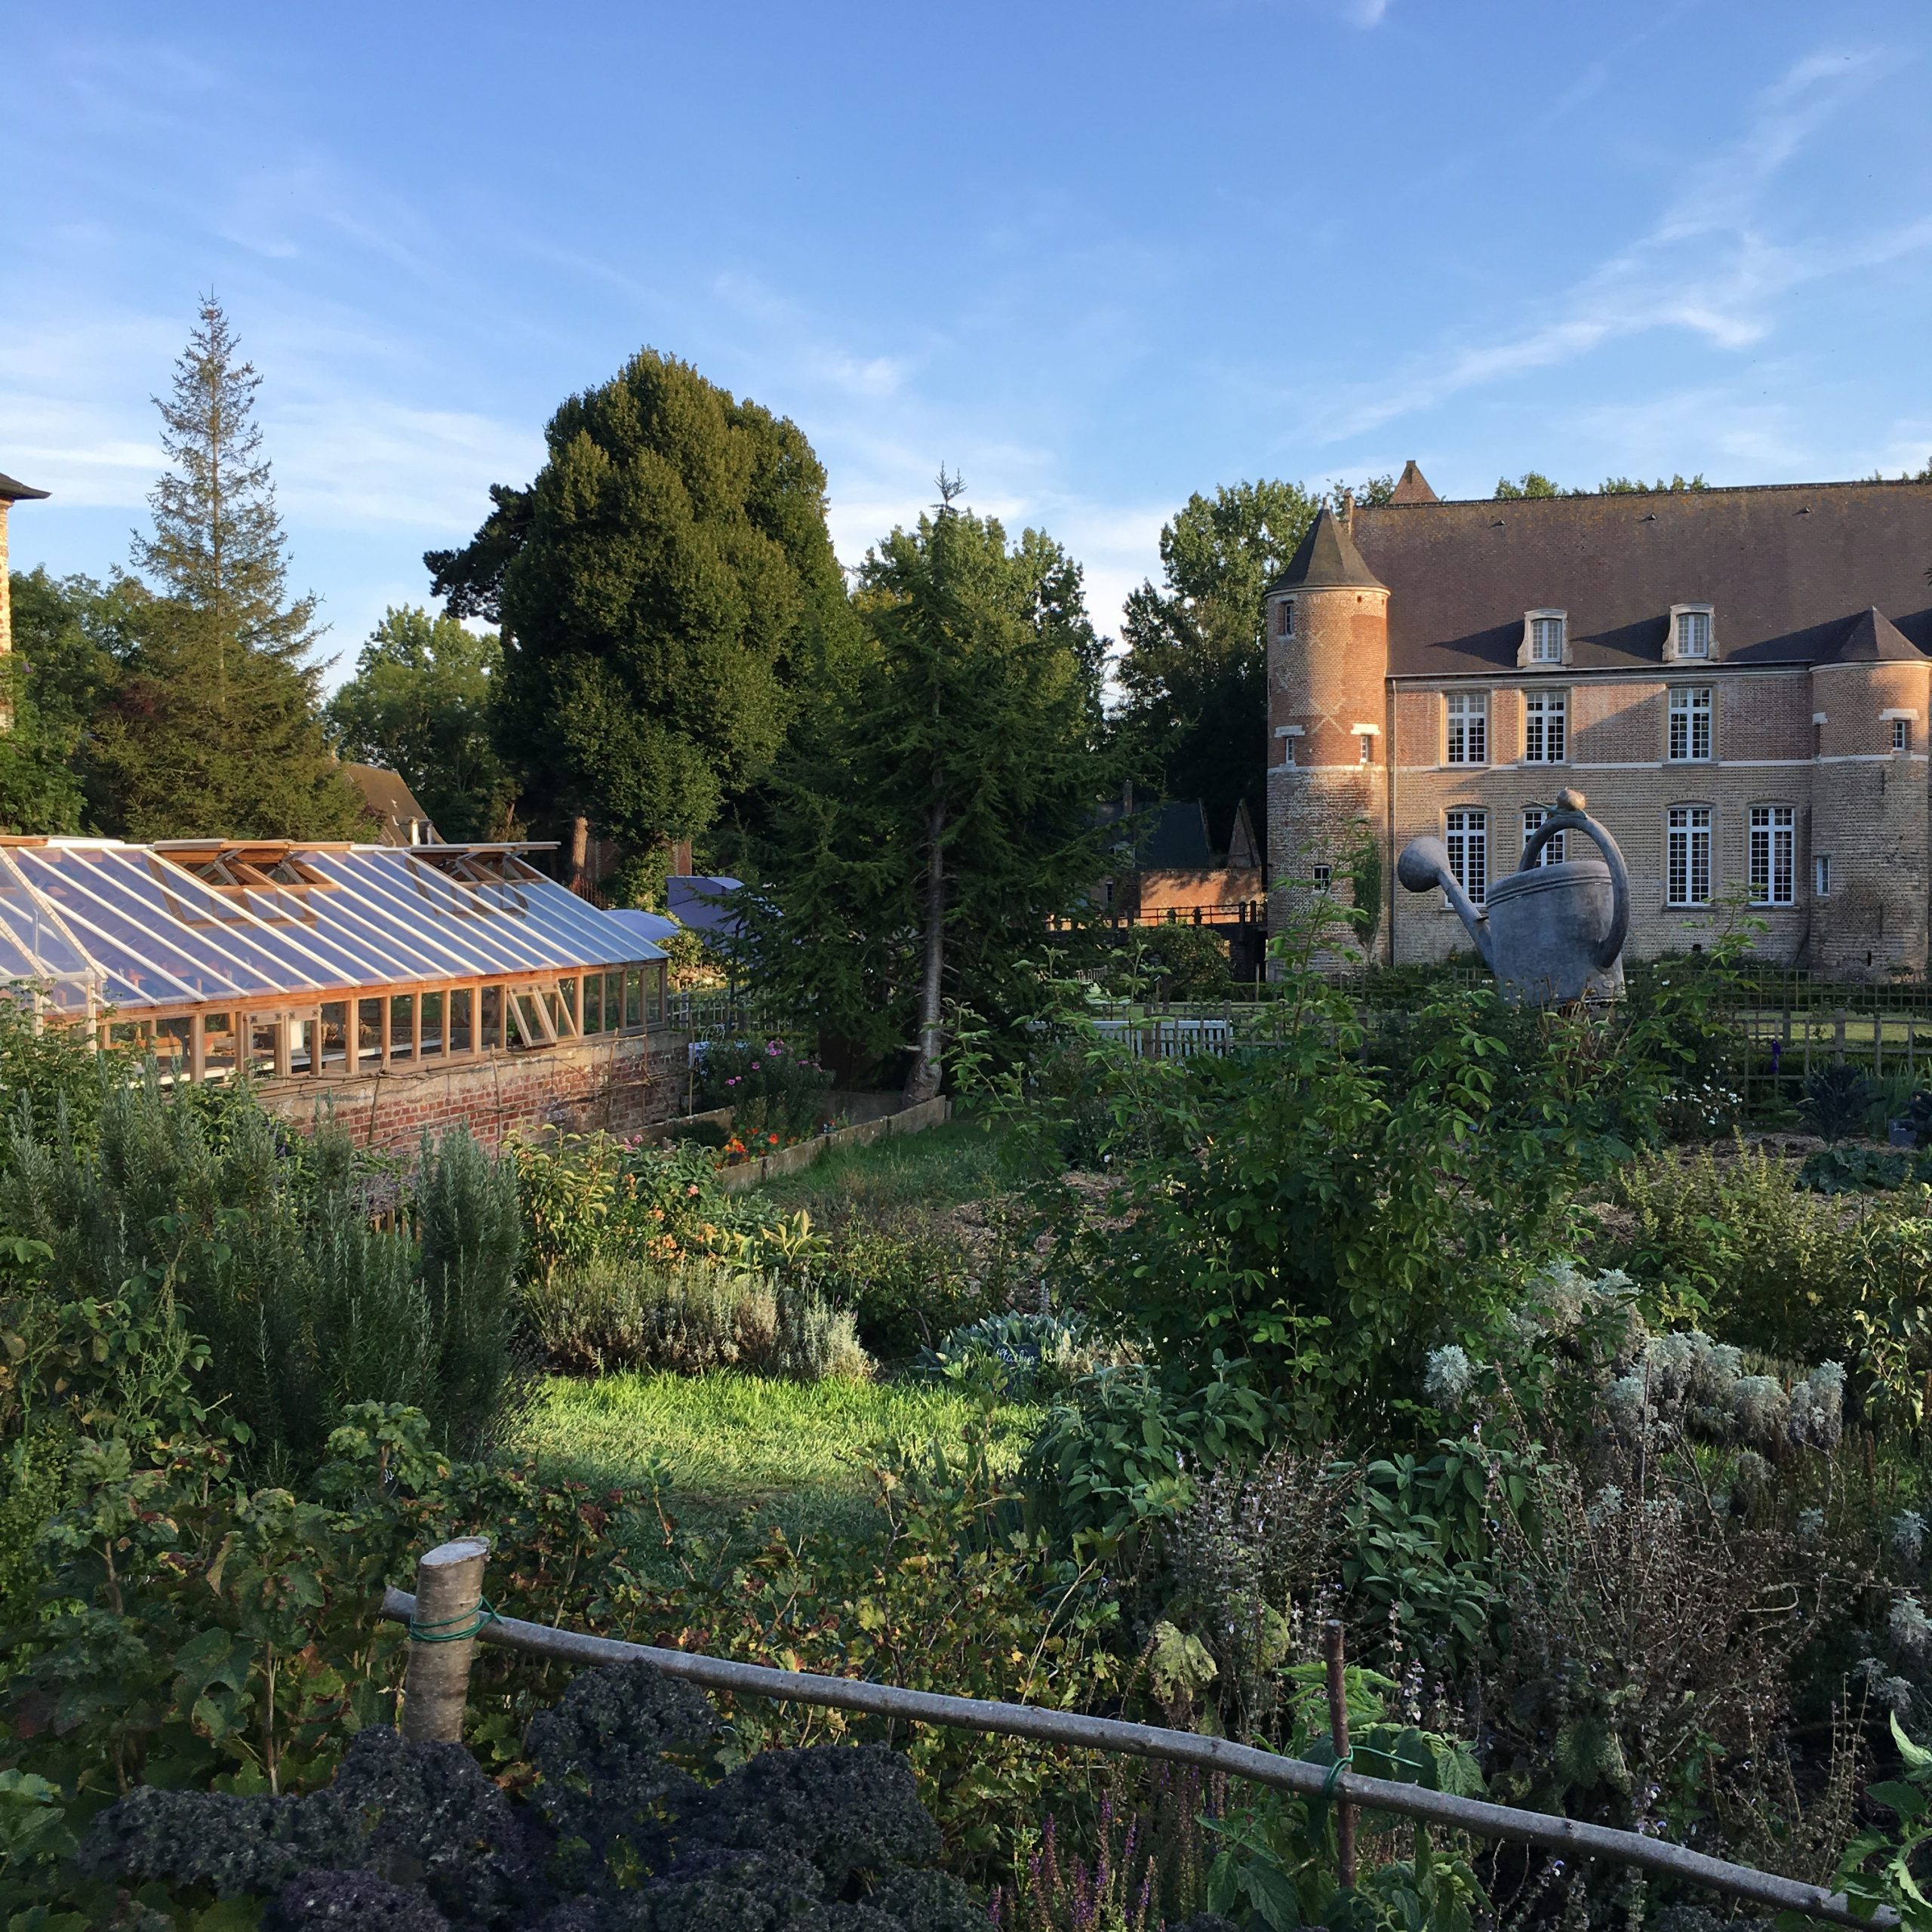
[[616, 1085]]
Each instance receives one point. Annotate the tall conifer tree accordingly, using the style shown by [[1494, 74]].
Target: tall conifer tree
[[214, 727]]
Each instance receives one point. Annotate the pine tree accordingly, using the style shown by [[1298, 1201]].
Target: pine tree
[[214, 727]]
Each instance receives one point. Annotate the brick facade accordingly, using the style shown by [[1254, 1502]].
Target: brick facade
[[619, 1084], [1817, 711]]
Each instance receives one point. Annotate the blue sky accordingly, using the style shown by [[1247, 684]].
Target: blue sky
[[1095, 256]]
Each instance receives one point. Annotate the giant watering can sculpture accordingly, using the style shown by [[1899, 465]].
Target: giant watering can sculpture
[[1550, 934]]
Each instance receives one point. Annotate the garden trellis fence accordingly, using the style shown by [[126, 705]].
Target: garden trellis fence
[[447, 1620]]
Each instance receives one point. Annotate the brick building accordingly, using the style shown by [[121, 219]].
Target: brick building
[[1738, 679]]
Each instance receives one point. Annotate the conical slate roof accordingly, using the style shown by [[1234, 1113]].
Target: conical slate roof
[[1328, 559], [1871, 637], [13, 492]]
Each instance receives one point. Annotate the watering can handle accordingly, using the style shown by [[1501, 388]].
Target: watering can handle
[[1570, 817]]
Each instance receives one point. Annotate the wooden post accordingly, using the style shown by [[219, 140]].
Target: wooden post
[[449, 1591], [1338, 1733]]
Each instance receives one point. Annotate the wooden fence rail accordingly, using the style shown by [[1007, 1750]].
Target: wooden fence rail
[[450, 1583]]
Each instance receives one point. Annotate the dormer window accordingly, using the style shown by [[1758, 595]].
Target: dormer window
[[1693, 634], [1545, 638]]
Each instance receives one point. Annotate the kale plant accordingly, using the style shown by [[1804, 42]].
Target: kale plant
[[620, 1833]]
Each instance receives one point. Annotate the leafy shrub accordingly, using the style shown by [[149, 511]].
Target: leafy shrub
[[776, 1841], [264, 1240], [1124, 1449], [613, 1311], [1171, 962], [1837, 1098], [908, 1281], [1842, 1170], [770, 1086], [1020, 1357]]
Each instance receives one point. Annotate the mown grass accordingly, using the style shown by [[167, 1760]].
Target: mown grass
[[737, 1453], [939, 1168]]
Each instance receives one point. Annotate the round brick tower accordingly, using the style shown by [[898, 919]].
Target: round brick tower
[[1327, 618]]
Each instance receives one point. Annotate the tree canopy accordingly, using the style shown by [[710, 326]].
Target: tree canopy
[[660, 584], [938, 808], [1194, 676], [421, 703], [213, 723]]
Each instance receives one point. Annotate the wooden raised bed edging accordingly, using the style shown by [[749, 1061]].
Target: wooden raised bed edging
[[801, 1154], [460, 1618]]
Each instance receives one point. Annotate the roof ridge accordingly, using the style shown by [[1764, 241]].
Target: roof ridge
[[1651, 496]]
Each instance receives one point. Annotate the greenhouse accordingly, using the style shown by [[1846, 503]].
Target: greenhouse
[[288, 959]]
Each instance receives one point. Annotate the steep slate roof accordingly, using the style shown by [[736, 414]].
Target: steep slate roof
[[1786, 568], [387, 794], [1871, 637], [1328, 559], [1174, 838], [1413, 487], [12, 491]]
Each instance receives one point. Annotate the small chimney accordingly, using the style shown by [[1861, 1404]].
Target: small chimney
[[681, 858], [1348, 511]]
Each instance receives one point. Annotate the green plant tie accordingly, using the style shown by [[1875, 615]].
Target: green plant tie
[[1335, 1770], [453, 1629]]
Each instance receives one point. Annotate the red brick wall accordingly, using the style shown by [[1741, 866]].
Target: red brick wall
[[618, 1085]]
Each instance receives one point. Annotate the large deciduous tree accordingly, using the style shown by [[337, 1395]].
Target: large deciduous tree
[[939, 807], [421, 703], [1195, 674], [213, 726], [659, 586]]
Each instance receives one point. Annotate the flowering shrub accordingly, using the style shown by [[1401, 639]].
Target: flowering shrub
[[773, 1089]]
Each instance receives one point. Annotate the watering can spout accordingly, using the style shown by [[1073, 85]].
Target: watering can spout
[[1424, 863]]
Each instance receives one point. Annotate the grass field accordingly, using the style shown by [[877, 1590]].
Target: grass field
[[790, 1453], [945, 1165]]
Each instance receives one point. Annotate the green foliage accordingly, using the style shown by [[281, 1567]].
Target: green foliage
[[612, 1312], [936, 810], [51, 686], [1837, 1099], [1020, 1357], [908, 1281], [663, 585], [1532, 483], [1171, 962], [420, 704], [772, 1087], [1842, 1170], [212, 725], [204, 1209], [1194, 674], [1874, 1870]]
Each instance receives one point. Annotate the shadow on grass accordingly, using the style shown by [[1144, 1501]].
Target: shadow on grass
[[739, 1452]]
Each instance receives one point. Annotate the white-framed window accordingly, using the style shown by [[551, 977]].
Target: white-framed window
[[1901, 733], [1368, 744], [1533, 817], [1773, 854], [1466, 834], [1546, 727], [1687, 856], [1821, 874], [1546, 636], [1285, 617], [1694, 633], [1689, 722], [1468, 727], [1323, 876]]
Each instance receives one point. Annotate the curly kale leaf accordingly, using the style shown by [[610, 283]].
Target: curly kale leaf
[[358, 1898]]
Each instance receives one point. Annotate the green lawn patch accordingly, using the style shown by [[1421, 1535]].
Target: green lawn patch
[[794, 1453], [944, 1165]]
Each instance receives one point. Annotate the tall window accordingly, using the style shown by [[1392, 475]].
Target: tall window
[[1546, 640], [1533, 823], [1821, 874], [1284, 619], [1694, 633], [1687, 856], [1690, 722], [1468, 728], [1901, 734], [1367, 747], [1546, 728], [1773, 844], [1468, 841]]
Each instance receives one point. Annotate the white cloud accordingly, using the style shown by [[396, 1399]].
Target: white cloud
[[1707, 265]]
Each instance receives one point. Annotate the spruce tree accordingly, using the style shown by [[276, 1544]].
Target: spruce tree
[[214, 728]]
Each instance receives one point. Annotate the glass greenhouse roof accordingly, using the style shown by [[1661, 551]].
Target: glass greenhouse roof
[[220, 921]]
